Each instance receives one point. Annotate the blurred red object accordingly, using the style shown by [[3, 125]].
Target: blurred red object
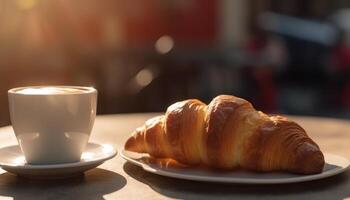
[[188, 21], [341, 57]]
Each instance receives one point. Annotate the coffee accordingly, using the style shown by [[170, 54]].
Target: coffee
[[52, 123], [49, 90]]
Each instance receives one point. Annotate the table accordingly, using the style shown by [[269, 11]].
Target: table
[[116, 179]]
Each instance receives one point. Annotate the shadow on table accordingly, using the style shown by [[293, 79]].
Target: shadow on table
[[94, 185], [336, 187]]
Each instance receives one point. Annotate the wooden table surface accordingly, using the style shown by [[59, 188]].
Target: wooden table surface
[[116, 179]]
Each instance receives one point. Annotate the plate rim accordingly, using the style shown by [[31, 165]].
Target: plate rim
[[61, 165], [302, 178]]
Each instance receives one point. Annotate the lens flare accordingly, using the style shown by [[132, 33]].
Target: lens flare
[[144, 77], [164, 44]]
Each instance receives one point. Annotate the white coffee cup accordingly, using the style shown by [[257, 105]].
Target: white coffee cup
[[52, 123]]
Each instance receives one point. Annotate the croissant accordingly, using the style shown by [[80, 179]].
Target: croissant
[[227, 134]]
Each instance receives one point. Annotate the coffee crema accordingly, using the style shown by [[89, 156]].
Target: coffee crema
[[50, 90]]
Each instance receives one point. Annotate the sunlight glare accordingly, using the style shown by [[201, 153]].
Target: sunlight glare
[[19, 160], [26, 4], [106, 148], [87, 156]]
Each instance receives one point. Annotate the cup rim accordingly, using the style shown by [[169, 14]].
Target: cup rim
[[84, 90]]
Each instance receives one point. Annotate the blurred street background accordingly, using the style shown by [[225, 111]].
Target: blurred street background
[[289, 57]]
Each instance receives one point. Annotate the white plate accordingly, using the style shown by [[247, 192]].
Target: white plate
[[12, 160], [334, 165]]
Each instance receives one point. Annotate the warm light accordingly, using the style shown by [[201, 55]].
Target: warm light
[[6, 198], [48, 90], [26, 4], [106, 148], [38, 91], [19, 160], [164, 44], [144, 77], [87, 156]]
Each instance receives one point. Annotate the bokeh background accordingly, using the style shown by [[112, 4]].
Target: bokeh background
[[290, 56]]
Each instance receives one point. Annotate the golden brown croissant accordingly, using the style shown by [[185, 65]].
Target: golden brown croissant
[[228, 134]]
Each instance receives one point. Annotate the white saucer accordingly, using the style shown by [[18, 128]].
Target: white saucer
[[12, 160], [334, 165]]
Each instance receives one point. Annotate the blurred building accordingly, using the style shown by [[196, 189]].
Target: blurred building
[[288, 56]]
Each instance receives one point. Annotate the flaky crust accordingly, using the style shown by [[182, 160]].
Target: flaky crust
[[227, 134]]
